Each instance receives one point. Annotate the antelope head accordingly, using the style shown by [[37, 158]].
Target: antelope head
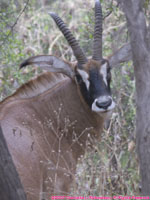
[[92, 76]]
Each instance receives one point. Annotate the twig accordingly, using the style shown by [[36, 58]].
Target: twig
[[109, 13], [17, 19]]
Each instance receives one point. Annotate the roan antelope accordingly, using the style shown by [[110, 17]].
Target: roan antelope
[[48, 120]]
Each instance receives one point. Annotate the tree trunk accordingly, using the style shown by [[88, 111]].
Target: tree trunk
[[141, 59], [10, 185]]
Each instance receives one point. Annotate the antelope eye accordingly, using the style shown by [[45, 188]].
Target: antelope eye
[[109, 74], [79, 78]]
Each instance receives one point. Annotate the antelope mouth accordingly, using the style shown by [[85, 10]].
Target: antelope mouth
[[103, 105]]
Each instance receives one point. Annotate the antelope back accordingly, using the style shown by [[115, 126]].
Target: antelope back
[[47, 132]]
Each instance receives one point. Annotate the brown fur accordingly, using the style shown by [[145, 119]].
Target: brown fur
[[47, 127], [91, 64]]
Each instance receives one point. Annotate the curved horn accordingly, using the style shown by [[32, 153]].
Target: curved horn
[[97, 44], [80, 56]]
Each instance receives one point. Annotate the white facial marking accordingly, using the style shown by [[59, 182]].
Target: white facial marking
[[103, 72], [95, 108], [85, 77]]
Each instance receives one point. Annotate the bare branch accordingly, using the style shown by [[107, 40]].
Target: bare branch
[[109, 13], [17, 19]]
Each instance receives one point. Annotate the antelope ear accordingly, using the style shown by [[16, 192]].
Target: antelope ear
[[50, 63]]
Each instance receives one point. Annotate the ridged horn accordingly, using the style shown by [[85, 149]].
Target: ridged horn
[[78, 53], [97, 44]]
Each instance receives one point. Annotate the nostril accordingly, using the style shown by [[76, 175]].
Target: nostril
[[104, 104]]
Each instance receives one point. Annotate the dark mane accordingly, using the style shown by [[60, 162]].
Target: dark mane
[[35, 86]]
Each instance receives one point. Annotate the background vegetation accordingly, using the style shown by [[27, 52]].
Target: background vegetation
[[26, 29]]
